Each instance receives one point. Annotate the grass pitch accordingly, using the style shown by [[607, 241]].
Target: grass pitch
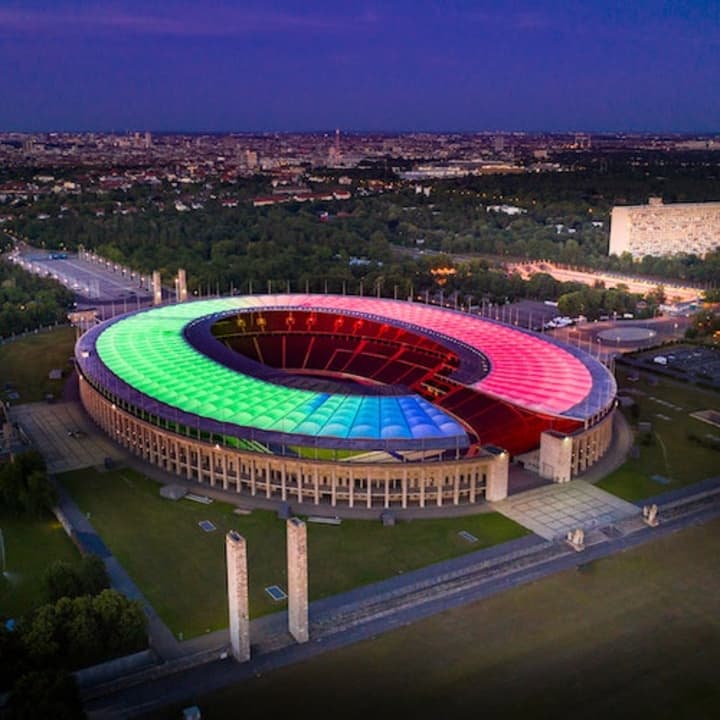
[[25, 363], [181, 568], [633, 635]]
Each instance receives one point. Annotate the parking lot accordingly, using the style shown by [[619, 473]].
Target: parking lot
[[692, 361]]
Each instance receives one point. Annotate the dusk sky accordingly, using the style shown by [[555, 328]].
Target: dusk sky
[[405, 65]]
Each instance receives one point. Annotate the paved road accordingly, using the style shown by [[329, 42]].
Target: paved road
[[381, 608], [94, 281]]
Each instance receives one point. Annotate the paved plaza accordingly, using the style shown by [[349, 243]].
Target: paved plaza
[[63, 434], [551, 511]]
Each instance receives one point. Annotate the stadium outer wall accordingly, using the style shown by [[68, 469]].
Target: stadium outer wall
[[334, 483]]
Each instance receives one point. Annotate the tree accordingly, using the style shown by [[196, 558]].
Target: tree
[[24, 485], [123, 622], [61, 579], [571, 304], [656, 296], [49, 693], [94, 575], [75, 632]]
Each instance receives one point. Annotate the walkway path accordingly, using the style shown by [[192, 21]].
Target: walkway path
[[162, 641], [553, 510], [48, 425]]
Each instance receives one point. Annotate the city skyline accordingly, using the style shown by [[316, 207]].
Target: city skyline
[[410, 67]]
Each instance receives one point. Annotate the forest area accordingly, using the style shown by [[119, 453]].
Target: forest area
[[385, 243]]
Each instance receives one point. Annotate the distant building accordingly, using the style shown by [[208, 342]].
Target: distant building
[[582, 141], [658, 229]]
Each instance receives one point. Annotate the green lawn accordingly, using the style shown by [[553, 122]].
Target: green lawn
[[633, 635], [181, 569], [670, 454], [31, 545], [25, 363]]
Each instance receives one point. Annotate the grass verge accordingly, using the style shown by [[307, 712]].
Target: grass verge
[[181, 568], [31, 544], [25, 363], [669, 454], [635, 631]]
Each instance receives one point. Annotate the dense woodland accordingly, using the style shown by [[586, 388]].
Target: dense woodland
[[384, 243], [231, 246]]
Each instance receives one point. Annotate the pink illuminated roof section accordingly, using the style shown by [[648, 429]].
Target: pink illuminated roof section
[[525, 369]]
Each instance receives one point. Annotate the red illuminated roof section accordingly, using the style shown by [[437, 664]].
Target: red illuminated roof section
[[525, 369]]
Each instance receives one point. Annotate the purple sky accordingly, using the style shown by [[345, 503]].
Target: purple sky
[[403, 65]]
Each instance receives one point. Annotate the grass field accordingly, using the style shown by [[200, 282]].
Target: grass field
[[636, 634], [25, 363], [181, 568], [671, 455], [30, 546]]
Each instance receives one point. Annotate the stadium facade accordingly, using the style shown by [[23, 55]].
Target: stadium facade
[[343, 400]]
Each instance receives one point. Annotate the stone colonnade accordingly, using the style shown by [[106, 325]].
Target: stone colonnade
[[562, 457], [350, 484]]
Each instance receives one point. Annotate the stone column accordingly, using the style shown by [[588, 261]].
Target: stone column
[[556, 456], [182, 293], [297, 571], [156, 288], [238, 604], [497, 478]]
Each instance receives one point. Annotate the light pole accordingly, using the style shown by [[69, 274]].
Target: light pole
[[2, 551]]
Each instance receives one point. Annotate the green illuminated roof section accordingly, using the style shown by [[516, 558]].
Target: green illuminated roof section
[[148, 351]]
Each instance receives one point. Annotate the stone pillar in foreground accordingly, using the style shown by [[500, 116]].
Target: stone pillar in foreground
[[182, 293], [156, 288], [297, 571], [238, 604]]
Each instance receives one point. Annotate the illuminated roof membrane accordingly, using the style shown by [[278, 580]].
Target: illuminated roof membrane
[[148, 351]]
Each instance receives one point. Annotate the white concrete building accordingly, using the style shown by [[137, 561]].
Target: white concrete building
[[658, 229]]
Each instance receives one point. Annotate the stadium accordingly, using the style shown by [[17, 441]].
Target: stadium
[[341, 400]]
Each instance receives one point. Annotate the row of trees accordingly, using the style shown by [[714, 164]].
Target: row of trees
[[595, 301], [28, 301]]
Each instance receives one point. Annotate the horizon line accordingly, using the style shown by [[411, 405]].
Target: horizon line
[[357, 131]]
